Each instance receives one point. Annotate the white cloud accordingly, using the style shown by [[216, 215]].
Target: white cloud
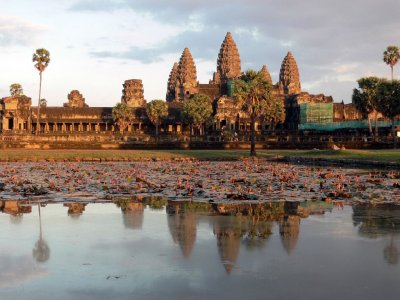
[[15, 31]]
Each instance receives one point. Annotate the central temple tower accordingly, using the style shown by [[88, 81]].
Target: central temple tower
[[228, 63]]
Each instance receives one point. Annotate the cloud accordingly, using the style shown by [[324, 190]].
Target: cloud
[[98, 5], [15, 31], [145, 56], [17, 270], [324, 36]]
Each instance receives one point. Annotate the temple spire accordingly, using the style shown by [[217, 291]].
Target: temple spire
[[172, 80], [289, 78], [187, 73], [186, 77], [264, 71], [228, 63]]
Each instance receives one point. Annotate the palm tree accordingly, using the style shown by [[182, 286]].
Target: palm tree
[[252, 93], [391, 57], [41, 58], [43, 103]]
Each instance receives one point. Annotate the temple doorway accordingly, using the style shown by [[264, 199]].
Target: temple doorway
[[11, 123]]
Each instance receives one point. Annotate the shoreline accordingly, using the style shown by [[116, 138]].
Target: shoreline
[[375, 159]]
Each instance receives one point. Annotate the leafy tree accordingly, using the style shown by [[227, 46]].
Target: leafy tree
[[122, 115], [41, 58], [16, 90], [197, 111], [391, 57], [274, 112], [364, 99], [388, 102], [157, 111], [253, 95], [43, 103]]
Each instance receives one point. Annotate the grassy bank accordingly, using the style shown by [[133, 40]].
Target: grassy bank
[[59, 155]]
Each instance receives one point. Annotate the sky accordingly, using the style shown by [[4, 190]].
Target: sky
[[95, 45]]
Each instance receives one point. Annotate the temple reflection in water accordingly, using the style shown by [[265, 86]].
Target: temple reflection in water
[[15, 209], [75, 210], [236, 227], [379, 221], [182, 226]]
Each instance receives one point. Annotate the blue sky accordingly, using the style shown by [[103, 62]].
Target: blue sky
[[96, 45]]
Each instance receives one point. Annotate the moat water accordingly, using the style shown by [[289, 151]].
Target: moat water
[[191, 251]]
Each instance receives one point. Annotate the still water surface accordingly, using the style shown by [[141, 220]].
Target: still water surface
[[105, 251]]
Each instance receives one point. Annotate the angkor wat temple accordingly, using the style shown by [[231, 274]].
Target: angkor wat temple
[[303, 110]]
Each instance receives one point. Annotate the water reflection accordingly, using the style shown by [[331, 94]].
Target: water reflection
[[257, 234], [200, 250], [15, 209], [289, 229], [75, 210], [391, 252], [182, 224], [41, 250], [379, 220], [234, 225], [228, 231]]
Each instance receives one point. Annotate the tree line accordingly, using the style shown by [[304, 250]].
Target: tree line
[[378, 95]]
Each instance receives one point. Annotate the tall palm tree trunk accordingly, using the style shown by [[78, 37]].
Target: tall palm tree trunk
[[157, 133], [391, 68], [38, 107], [394, 135], [252, 137], [370, 126]]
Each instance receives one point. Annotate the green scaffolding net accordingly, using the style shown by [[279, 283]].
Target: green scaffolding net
[[362, 124], [316, 113], [231, 87]]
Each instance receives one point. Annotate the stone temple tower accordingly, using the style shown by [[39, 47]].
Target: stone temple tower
[[228, 63], [186, 84], [289, 78], [132, 94], [171, 85], [264, 71]]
